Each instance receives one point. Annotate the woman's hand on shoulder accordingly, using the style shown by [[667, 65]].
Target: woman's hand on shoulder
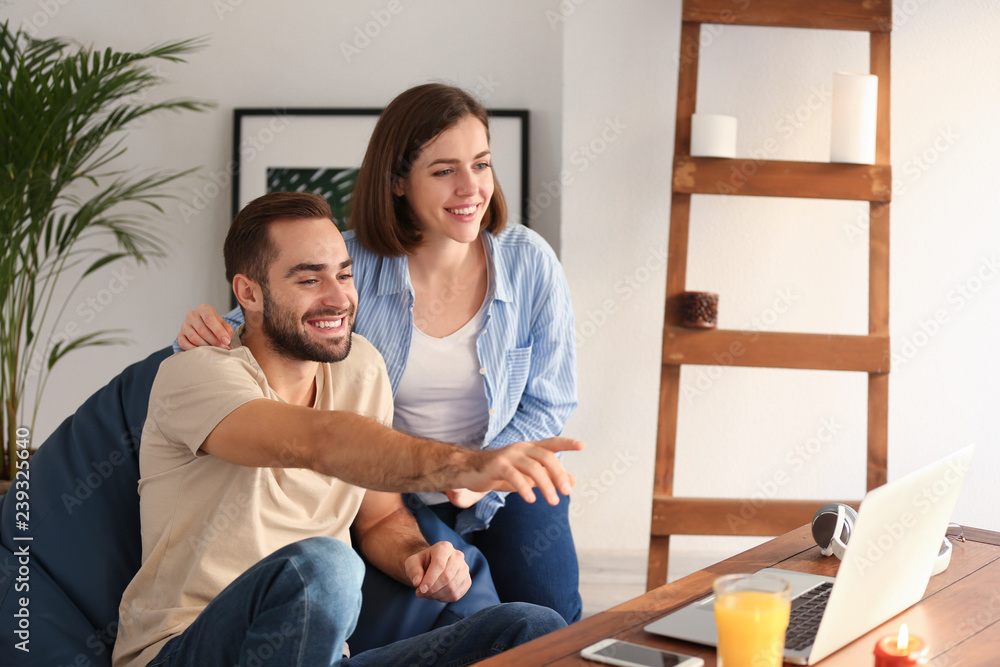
[[204, 326]]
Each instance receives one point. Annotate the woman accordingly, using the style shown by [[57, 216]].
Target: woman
[[474, 321]]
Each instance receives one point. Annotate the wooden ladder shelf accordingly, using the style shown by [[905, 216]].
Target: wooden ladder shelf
[[770, 178]]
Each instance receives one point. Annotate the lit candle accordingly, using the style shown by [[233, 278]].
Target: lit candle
[[900, 650]]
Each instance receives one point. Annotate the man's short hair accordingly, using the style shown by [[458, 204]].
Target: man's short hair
[[383, 221], [248, 248]]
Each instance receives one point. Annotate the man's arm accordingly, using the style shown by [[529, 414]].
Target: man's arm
[[363, 452], [390, 539]]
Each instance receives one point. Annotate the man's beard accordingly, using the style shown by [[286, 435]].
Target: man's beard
[[286, 336]]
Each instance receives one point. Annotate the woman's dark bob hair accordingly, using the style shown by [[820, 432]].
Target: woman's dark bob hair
[[382, 221]]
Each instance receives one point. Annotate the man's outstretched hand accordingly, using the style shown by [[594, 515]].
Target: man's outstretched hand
[[522, 466]]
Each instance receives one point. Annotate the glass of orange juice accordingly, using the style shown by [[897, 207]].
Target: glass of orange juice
[[751, 613]]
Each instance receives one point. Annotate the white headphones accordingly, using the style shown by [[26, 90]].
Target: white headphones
[[831, 528], [833, 524]]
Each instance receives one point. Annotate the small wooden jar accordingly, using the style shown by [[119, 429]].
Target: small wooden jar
[[699, 310]]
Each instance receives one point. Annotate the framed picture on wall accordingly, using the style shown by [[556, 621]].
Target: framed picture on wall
[[320, 150]]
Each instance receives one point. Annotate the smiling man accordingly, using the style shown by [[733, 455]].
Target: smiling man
[[253, 468]]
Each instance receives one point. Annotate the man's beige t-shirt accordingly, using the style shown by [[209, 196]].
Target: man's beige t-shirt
[[206, 521]]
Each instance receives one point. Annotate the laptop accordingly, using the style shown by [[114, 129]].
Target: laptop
[[885, 569]]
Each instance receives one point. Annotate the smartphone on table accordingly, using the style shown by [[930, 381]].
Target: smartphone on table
[[625, 654]]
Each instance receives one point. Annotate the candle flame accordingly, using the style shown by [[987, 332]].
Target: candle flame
[[903, 638]]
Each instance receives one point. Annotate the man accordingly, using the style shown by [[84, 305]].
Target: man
[[251, 462]]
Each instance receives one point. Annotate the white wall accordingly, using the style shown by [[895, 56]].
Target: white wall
[[600, 80]]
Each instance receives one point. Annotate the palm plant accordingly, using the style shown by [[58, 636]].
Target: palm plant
[[63, 204]]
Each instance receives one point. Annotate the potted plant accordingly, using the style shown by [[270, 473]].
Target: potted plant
[[66, 209]]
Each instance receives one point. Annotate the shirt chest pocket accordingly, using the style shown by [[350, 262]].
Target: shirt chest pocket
[[518, 365]]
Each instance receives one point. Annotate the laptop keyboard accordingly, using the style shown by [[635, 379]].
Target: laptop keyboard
[[807, 610]]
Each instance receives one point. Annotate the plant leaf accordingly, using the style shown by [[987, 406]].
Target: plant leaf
[[59, 350]]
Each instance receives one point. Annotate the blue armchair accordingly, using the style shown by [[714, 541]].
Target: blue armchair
[[65, 582]]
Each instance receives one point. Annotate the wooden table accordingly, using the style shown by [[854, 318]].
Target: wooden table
[[959, 616]]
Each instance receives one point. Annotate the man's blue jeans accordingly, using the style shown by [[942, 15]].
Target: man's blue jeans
[[299, 605]]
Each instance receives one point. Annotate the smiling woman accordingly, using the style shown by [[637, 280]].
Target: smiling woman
[[450, 185], [475, 324]]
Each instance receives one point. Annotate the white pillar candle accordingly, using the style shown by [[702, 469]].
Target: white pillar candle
[[713, 135], [855, 116]]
